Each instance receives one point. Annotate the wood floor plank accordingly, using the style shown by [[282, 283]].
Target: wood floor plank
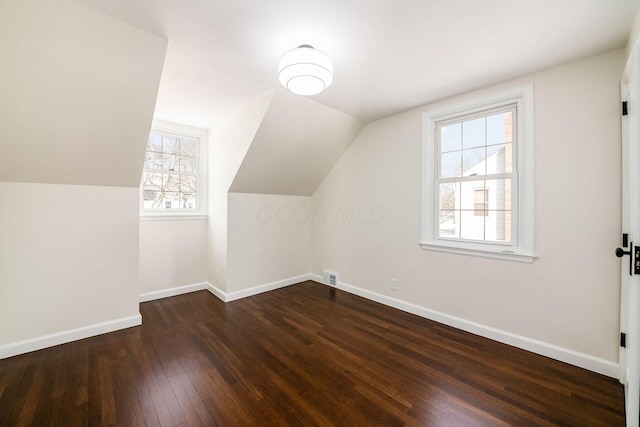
[[304, 355]]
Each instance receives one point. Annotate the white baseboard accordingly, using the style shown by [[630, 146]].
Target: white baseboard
[[244, 293], [217, 292], [224, 296], [171, 292], [582, 360], [58, 338]]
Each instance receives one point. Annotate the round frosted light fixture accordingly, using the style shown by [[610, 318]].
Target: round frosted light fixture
[[305, 70]]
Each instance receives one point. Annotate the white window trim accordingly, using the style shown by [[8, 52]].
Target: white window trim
[[200, 213], [522, 249]]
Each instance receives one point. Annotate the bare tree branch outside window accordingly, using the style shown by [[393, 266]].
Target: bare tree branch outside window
[[170, 176]]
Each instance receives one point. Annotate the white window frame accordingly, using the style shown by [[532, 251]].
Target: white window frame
[[521, 248], [201, 135]]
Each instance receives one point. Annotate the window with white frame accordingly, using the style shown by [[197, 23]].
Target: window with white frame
[[478, 183], [174, 174]]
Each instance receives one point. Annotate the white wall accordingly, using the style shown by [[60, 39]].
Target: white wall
[[228, 145], [78, 92], [68, 258], [634, 33], [569, 297], [269, 239], [173, 253]]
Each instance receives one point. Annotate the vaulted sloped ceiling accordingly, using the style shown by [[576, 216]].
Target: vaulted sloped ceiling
[[298, 142], [77, 94]]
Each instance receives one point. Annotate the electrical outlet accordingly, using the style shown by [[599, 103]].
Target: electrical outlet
[[394, 284]]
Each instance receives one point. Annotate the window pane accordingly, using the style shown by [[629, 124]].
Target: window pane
[[153, 160], [188, 201], [451, 138], [152, 181], [448, 227], [450, 164], [480, 196], [493, 149], [449, 196], [499, 128], [480, 199], [471, 226], [171, 182], [499, 158], [467, 193], [155, 143], [151, 199], [188, 146], [188, 184], [499, 192], [473, 133], [171, 200], [473, 162], [169, 162], [188, 164], [498, 226], [169, 144]]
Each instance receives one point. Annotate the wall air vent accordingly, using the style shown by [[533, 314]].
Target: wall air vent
[[330, 278]]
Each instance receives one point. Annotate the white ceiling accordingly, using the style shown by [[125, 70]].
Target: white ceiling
[[389, 55]]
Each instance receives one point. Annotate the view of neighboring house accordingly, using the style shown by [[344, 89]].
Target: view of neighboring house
[[480, 206]]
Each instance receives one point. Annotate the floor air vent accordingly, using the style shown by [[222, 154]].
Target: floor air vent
[[330, 278]]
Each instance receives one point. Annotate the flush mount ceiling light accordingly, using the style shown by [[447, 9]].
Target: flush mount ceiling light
[[305, 70]]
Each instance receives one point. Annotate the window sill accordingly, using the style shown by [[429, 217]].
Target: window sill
[[507, 256], [174, 217]]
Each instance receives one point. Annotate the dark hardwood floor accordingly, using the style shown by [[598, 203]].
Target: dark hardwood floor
[[304, 355]]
